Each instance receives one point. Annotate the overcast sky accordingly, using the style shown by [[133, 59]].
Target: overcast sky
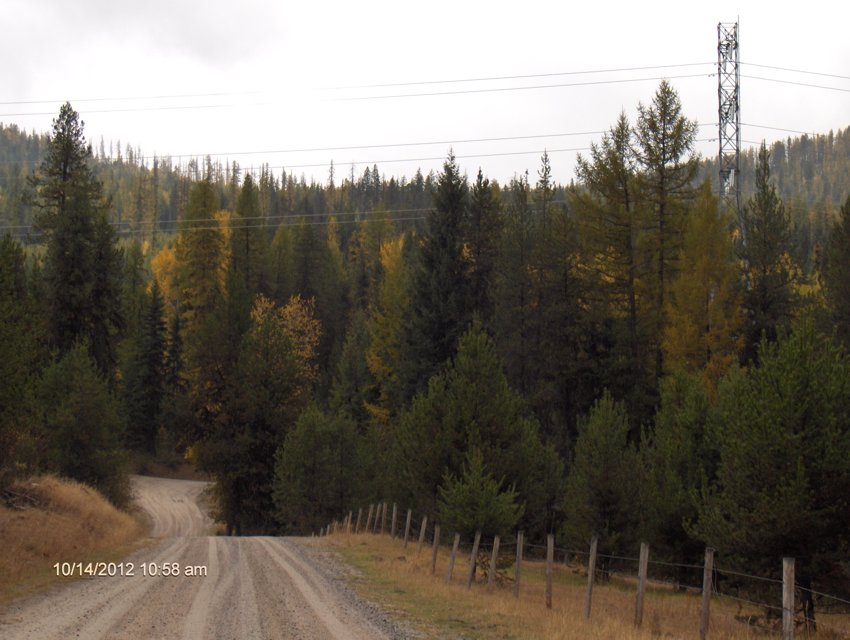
[[277, 67]]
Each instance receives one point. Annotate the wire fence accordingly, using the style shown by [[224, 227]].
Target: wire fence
[[758, 601]]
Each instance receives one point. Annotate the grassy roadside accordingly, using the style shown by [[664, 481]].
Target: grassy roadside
[[401, 581], [54, 520]]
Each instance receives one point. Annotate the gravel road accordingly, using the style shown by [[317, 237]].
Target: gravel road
[[220, 588]]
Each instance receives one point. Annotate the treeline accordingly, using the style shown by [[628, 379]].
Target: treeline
[[612, 359]]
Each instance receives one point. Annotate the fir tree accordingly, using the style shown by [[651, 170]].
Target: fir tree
[[83, 263], [439, 283], [770, 270], [836, 274]]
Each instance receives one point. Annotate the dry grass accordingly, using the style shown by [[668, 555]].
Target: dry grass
[[56, 520], [402, 582]]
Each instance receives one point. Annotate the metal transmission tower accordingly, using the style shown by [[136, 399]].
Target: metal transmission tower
[[729, 105]]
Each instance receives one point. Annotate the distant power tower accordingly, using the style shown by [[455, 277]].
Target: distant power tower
[[729, 118]]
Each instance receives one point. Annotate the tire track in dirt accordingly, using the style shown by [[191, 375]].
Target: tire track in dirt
[[254, 588]]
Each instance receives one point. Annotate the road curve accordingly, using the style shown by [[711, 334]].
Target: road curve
[[225, 588]]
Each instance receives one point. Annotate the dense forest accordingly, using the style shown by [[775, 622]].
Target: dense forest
[[606, 357]]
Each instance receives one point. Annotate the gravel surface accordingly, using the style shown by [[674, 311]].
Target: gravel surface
[[222, 588]]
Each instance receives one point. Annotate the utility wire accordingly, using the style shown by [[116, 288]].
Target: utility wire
[[125, 98], [516, 77], [799, 84], [813, 73], [362, 98], [372, 146], [523, 88]]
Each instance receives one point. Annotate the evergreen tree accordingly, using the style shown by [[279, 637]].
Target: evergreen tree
[[470, 406], [248, 237], [781, 433], [836, 274], [770, 271], [439, 283], [482, 230], [602, 488], [317, 471], [675, 461], [18, 358], [514, 298], [269, 387], [144, 380], [477, 502], [83, 263], [83, 425], [354, 388]]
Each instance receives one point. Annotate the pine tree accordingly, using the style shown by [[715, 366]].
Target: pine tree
[[18, 358], [770, 270], [482, 230], [316, 471], [144, 380], [470, 406], [248, 237], [270, 385], [513, 299], [781, 435], [601, 489], [477, 502], [83, 263], [83, 425], [439, 283], [836, 274]]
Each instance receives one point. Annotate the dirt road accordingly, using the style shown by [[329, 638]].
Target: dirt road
[[205, 587]]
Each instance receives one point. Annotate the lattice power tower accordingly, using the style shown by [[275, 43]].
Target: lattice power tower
[[729, 118]]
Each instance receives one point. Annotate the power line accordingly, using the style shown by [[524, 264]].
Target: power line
[[516, 77], [813, 73], [125, 98], [362, 98], [370, 146], [799, 84], [523, 88]]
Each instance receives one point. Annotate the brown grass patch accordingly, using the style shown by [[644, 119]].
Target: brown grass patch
[[49, 520], [401, 581]]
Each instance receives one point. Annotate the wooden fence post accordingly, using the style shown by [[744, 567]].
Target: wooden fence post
[[407, 526], [788, 598], [707, 572], [591, 571], [359, 517], [378, 512], [473, 560], [392, 528], [434, 547], [493, 558], [422, 529], [550, 557], [369, 519], [452, 558], [518, 566], [348, 523], [643, 567], [384, 518]]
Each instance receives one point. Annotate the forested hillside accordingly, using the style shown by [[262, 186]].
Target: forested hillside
[[605, 358]]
